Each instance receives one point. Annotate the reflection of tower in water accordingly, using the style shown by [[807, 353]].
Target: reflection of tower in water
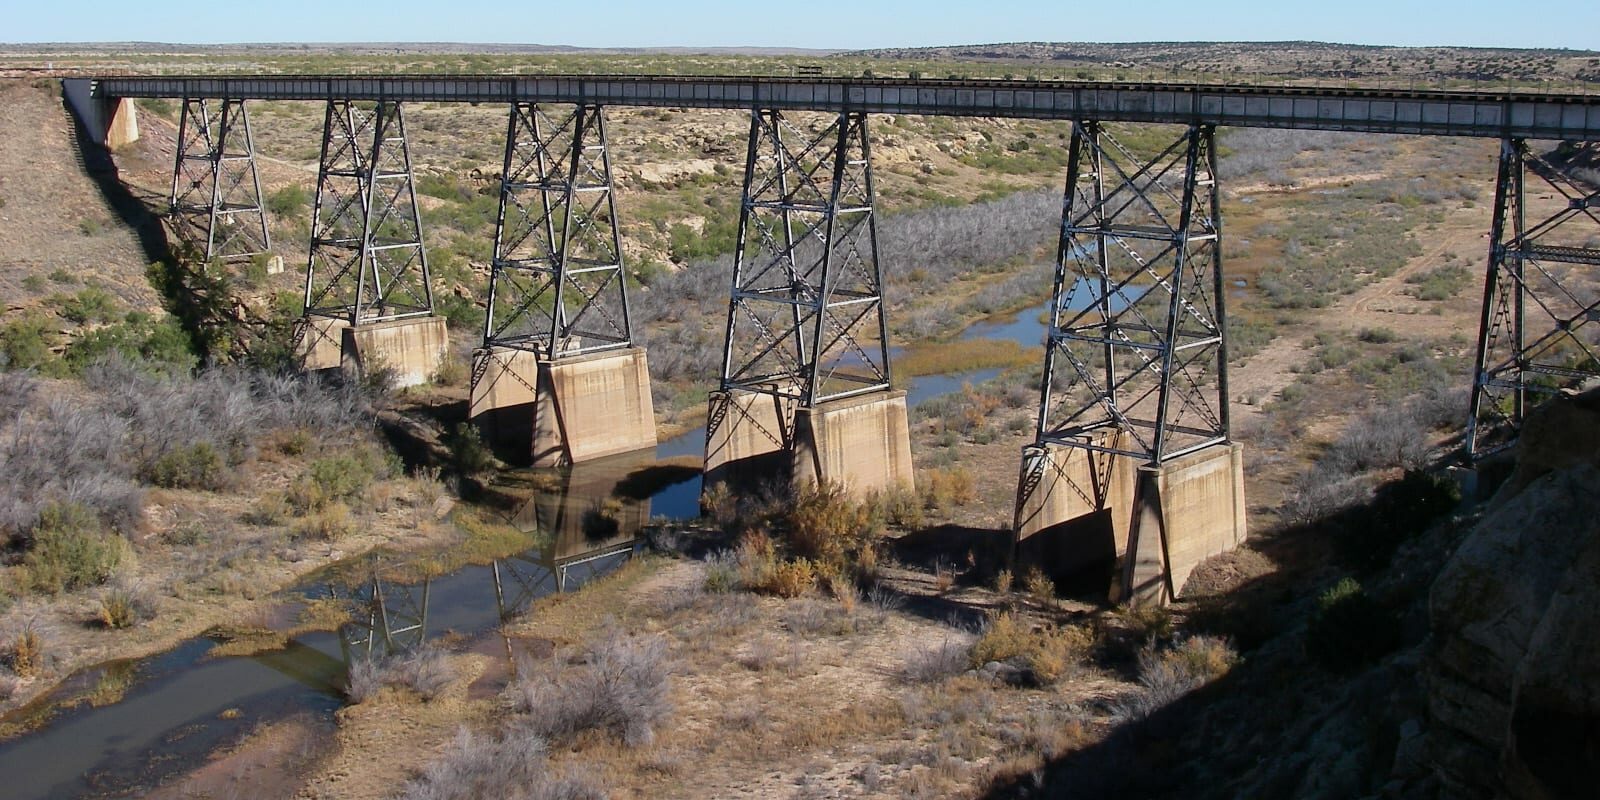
[[389, 617], [591, 515]]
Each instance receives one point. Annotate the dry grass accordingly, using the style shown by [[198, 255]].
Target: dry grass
[[426, 672], [622, 690], [1052, 653]]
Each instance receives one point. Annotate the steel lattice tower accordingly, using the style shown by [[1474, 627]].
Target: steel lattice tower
[[1136, 363], [1540, 326], [557, 286], [367, 262], [215, 202], [805, 316]]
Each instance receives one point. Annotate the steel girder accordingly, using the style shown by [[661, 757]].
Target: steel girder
[[806, 315], [367, 262], [1540, 326], [215, 204], [557, 286], [1136, 362]]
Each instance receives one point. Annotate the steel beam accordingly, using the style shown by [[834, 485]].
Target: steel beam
[[1136, 363], [557, 286], [367, 262], [1374, 109], [1539, 331], [805, 313], [215, 204]]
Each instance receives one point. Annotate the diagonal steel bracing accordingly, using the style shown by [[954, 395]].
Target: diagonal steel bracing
[[1540, 328], [389, 618], [367, 262], [557, 286], [215, 204], [805, 315], [1136, 364]]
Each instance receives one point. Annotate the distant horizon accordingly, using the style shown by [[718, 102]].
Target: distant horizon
[[832, 25], [471, 45]]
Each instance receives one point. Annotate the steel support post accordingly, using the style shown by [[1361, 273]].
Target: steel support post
[[1540, 326], [1136, 363], [806, 316], [367, 262], [215, 204], [557, 286]]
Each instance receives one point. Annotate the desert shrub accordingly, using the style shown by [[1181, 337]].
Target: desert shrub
[[756, 558], [426, 671], [1399, 510], [623, 690], [722, 573], [1349, 628], [24, 651], [289, 201], [512, 766], [1148, 623], [901, 507], [1377, 336], [948, 488], [934, 663], [1050, 652], [157, 345], [26, 341], [1166, 674], [468, 453], [69, 550], [270, 508], [328, 523], [1039, 586], [121, 608], [1439, 283], [197, 466], [826, 524], [90, 304], [790, 578]]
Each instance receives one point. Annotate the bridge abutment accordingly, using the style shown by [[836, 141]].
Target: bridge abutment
[[409, 350], [554, 414]]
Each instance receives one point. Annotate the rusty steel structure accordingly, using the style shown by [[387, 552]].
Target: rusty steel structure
[[367, 262], [805, 315], [556, 287], [215, 203], [1135, 362], [1540, 325]]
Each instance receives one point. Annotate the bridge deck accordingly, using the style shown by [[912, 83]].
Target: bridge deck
[[1373, 110]]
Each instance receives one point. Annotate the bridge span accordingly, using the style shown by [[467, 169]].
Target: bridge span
[[1132, 460], [1520, 114]]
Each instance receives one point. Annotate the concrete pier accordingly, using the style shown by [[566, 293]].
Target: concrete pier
[[123, 129], [1141, 528], [861, 443], [412, 349], [321, 343], [564, 412]]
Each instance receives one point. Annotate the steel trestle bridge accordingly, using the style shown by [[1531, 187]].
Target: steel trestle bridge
[[1139, 374]]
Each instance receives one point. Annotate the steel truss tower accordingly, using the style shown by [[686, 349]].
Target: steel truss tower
[[805, 315], [215, 203], [1136, 363], [557, 287], [1540, 327], [367, 263]]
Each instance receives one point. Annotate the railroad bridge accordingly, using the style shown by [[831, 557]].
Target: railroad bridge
[[1132, 457]]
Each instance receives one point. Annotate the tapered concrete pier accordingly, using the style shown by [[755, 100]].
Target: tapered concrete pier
[[860, 443], [564, 412], [1141, 529]]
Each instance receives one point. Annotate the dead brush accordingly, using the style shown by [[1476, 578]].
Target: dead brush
[[826, 524], [1050, 652], [623, 690]]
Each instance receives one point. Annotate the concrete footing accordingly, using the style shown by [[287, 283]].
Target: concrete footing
[[861, 443], [123, 129], [321, 343], [411, 349], [1141, 529], [565, 412]]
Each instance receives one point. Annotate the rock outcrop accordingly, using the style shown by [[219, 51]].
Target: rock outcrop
[[1513, 664]]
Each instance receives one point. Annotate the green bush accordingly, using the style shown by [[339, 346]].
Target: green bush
[[25, 342], [288, 201], [90, 304], [467, 451], [69, 550], [198, 466], [1350, 629], [159, 344]]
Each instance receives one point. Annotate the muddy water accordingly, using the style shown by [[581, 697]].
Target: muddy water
[[153, 718]]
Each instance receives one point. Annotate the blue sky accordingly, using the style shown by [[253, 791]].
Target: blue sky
[[821, 23]]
